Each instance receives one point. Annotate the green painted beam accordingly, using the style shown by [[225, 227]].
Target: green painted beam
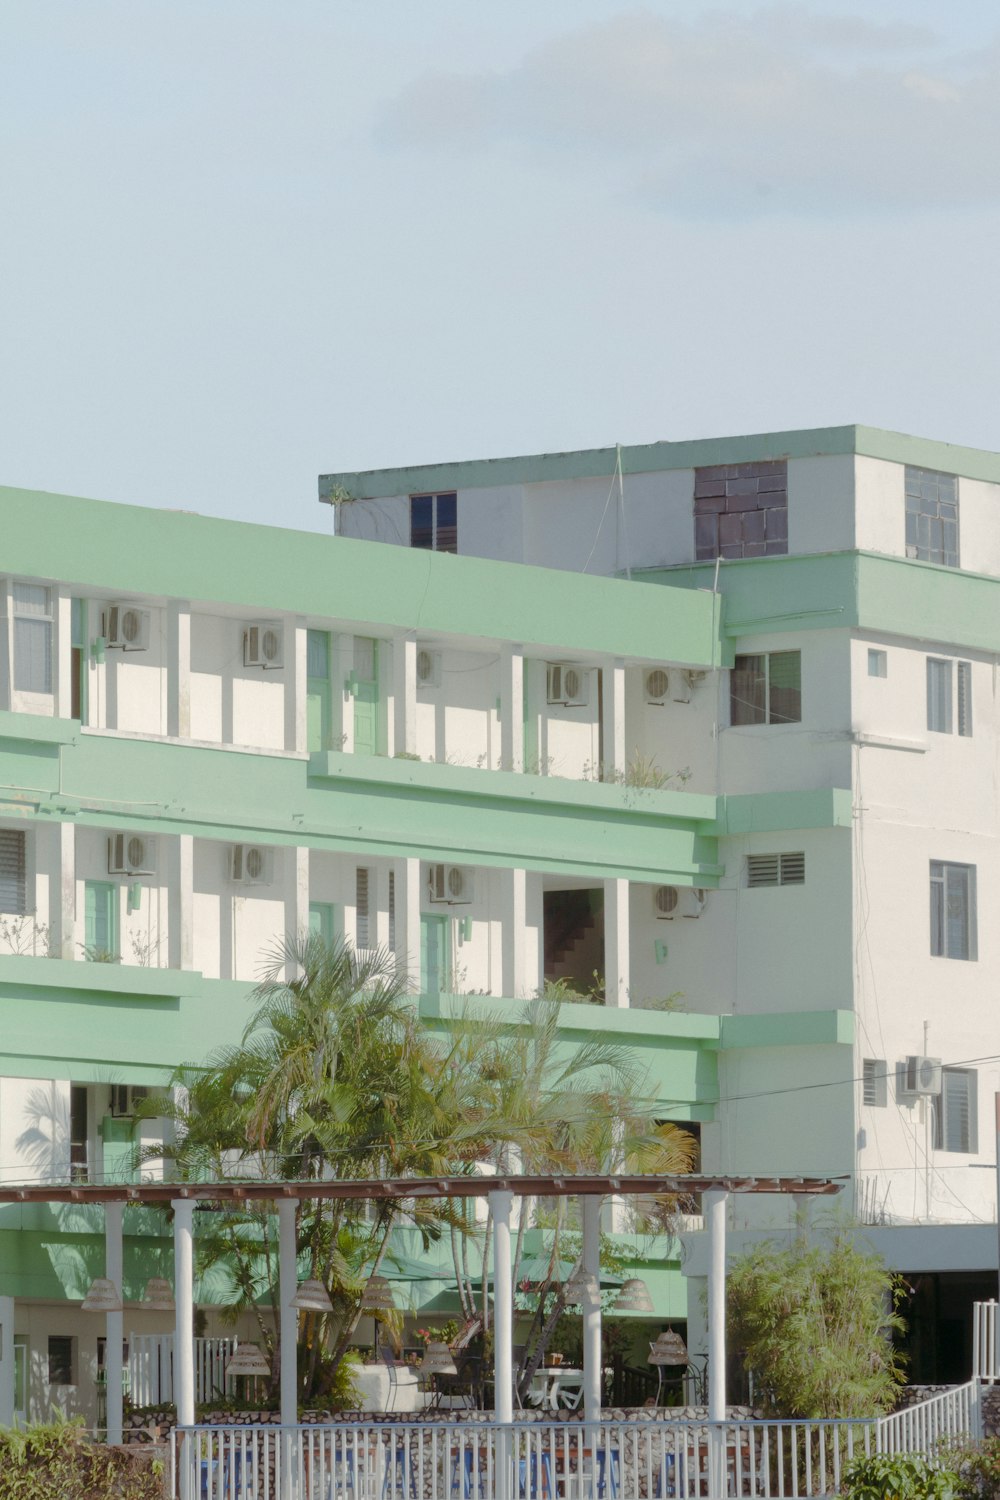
[[802, 1028], [121, 550], [772, 812], [641, 458]]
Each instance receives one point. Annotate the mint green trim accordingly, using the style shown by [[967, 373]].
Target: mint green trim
[[115, 1130], [772, 812], [644, 458], [801, 1028], [38, 728], [372, 587]]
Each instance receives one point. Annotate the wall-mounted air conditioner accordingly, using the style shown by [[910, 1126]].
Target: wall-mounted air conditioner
[[450, 885], [263, 644], [250, 864], [657, 685], [125, 1097], [567, 683], [671, 901], [684, 682], [428, 668], [125, 627], [131, 854], [920, 1077]]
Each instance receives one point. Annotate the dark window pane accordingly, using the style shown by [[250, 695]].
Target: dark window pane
[[447, 523], [785, 677], [422, 521], [706, 533], [747, 690]]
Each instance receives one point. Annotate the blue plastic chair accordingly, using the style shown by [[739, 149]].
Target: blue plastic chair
[[548, 1488], [613, 1469], [467, 1479]]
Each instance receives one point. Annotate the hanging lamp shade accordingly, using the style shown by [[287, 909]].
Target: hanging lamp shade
[[159, 1296], [247, 1360], [669, 1349], [312, 1296], [377, 1295], [102, 1297], [634, 1297], [580, 1287], [438, 1359]]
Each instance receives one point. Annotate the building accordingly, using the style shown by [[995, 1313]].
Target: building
[[744, 794]]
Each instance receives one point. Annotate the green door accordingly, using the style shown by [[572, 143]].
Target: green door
[[318, 700], [101, 921], [322, 920], [20, 1378], [434, 965], [367, 716]]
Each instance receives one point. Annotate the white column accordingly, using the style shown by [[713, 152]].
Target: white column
[[115, 1328], [408, 919], [63, 897], [503, 1311], [6, 646], [180, 896], [512, 708], [179, 668], [63, 610], [184, 1297], [592, 1361], [715, 1219], [617, 975], [343, 703], [513, 919], [287, 1286], [404, 693], [296, 664], [613, 726], [300, 895], [6, 1361]]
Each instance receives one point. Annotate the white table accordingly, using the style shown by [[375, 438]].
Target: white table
[[546, 1385], [377, 1393]]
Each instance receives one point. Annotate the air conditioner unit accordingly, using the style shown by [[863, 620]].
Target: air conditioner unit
[[657, 684], [693, 901], [428, 668], [131, 854], [124, 1098], [262, 644], [450, 885], [920, 1076], [125, 628], [250, 864], [567, 683], [666, 899]]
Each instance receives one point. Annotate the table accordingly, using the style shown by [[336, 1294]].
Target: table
[[547, 1386], [377, 1391]]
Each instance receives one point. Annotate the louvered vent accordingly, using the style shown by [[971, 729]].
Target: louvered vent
[[12, 871], [776, 869]]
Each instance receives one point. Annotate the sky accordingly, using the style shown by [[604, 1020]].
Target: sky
[[246, 242]]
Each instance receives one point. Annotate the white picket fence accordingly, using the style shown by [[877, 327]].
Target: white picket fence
[[952, 1416], [483, 1460], [151, 1368], [985, 1354]]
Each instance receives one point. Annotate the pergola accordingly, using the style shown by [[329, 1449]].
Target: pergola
[[500, 1191]]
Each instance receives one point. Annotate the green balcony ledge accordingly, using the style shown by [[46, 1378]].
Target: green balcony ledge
[[108, 980], [801, 1028], [39, 729]]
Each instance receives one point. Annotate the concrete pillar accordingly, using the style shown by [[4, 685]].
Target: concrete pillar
[[62, 614], [179, 668], [299, 915], [614, 759], [296, 664], [179, 878], [512, 708], [287, 1287], [404, 693], [407, 899], [63, 893], [503, 1316], [6, 646], [341, 667], [6, 1361], [115, 1325], [592, 1361], [617, 975], [184, 1297], [715, 1219], [513, 916]]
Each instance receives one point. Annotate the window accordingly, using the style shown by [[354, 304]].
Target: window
[[874, 1090], [932, 516], [741, 510], [78, 659], [766, 689], [13, 882], [392, 910], [944, 710], [362, 925], [434, 522], [953, 910], [101, 921], [956, 1123], [32, 638], [61, 1360], [878, 663], [776, 869]]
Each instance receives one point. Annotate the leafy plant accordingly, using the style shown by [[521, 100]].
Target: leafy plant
[[978, 1468], [898, 1476], [26, 935], [53, 1460], [814, 1325]]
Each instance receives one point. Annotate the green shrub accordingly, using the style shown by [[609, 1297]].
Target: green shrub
[[979, 1469], [900, 1476], [55, 1461]]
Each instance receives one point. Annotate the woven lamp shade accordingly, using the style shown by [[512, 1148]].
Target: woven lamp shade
[[580, 1286], [669, 1349], [439, 1359], [634, 1297], [159, 1296], [312, 1296], [247, 1360], [102, 1297], [377, 1295]]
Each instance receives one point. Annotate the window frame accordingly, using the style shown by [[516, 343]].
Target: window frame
[[878, 658], [949, 696], [920, 518], [945, 874], [968, 1145], [65, 1357], [764, 679], [23, 621], [441, 533]]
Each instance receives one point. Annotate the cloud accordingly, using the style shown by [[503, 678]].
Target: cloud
[[733, 116]]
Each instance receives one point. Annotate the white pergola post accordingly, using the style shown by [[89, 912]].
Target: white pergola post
[[6, 1361], [184, 1297], [115, 1327], [715, 1218], [501, 1204], [287, 1287], [592, 1360]]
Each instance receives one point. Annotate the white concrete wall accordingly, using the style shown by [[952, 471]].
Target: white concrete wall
[[674, 737], [231, 703], [457, 720], [34, 1130], [135, 682], [821, 503], [979, 526]]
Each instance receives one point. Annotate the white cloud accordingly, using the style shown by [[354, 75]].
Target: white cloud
[[733, 116]]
